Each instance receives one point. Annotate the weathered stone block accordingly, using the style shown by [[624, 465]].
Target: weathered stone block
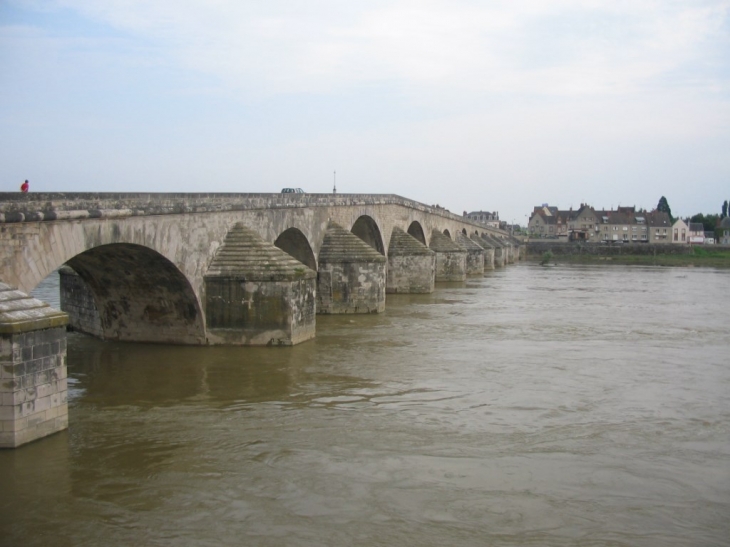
[[77, 301], [450, 258], [258, 295], [29, 387], [411, 265], [351, 277], [474, 255]]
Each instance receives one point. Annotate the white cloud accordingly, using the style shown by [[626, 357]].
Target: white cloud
[[498, 104], [598, 47]]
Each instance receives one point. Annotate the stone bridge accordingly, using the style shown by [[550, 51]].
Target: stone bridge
[[243, 269], [146, 258]]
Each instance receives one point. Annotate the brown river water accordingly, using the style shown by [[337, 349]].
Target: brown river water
[[564, 406]]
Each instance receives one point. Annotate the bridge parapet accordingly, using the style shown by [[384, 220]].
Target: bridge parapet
[[40, 206]]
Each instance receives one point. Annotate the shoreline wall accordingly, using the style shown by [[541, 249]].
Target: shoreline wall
[[560, 248]]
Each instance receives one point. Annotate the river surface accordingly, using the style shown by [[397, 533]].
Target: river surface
[[564, 406]]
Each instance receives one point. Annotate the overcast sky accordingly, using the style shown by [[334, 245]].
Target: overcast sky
[[491, 105]]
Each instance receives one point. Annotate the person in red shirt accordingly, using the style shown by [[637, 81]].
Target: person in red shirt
[[24, 187]]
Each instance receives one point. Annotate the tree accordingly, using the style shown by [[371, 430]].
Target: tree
[[663, 206], [709, 222], [724, 209]]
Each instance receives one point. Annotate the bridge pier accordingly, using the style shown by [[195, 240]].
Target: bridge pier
[[411, 265], [488, 249], [351, 276], [33, 384], [512, 251], [257, 295], [499, 251], [450, 258], [474, 255]]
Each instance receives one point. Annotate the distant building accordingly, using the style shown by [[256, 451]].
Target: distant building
[[660, 227], [625, 224], [680, 232], [490, 219], [696, 233]]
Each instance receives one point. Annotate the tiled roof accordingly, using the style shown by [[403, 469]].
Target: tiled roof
[[658, 218]]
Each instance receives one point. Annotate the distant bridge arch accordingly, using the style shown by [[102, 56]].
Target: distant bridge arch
[[293, 242], [416, 230], [366, 228]]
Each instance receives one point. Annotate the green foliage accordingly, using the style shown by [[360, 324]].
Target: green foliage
[[709, 252], [724, 209], [709, 222], [663, 206], [547, 256]]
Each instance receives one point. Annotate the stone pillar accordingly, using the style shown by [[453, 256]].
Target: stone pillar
[[411, 265], [519, 248], [512, 250], [474, 255], [488, 249], [77, 301], [450, 258], [32, 369], [499, 252], [351, 276], [257, 295]]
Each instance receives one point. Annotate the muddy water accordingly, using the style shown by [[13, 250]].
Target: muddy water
[[580, 406]]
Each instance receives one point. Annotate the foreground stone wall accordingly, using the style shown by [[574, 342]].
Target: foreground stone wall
[[33, 386], [32, 368]]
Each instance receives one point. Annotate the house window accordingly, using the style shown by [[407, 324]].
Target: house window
[[676, 235], [626, 228]]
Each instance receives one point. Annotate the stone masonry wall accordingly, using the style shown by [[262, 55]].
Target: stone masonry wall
[[411, 274], [450, 266], [33, 385], [351, 287], [78, 302], [537, 248]]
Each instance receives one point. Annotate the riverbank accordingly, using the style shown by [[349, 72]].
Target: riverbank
[[695, 257]]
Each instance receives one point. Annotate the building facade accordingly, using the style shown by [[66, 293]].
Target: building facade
[[490, 219], [623, 225], [680, 232]]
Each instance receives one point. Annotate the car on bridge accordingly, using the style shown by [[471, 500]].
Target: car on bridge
[[292, 191]]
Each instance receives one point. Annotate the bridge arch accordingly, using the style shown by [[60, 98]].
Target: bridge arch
[[367, 229], [293, 242], [140, 295], [416, 230], [447, 234]]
